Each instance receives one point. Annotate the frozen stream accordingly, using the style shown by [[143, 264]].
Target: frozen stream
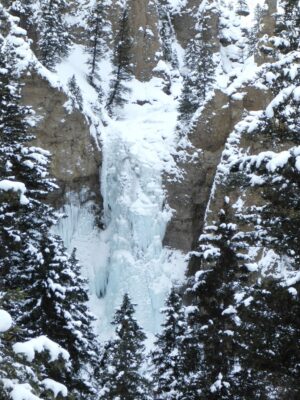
[[128, 255]]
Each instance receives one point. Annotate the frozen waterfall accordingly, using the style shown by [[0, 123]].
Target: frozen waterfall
[[128, 255]]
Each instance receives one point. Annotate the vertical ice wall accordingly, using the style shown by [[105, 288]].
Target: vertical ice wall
[[136, 149], [128, 255]]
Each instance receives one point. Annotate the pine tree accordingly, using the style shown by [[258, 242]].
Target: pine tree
[[214, 321], [24, 366], [25, 10], [168, 355], [269, 320], [271, 331], [123, 357], [96, 30], [254, 31], [243, 8], [41, 286], [166, 31], [54, 42], [288, 26], [57, 307], [75, 94], [200, 65], [122, 63]]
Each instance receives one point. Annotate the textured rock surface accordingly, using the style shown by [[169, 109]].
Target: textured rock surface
[[143, 20], [189, 197], [75, 157]]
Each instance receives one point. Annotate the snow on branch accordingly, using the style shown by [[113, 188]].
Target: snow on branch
[[40, 344]]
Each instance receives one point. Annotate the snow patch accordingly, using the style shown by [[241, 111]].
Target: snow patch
[[5, 321], [38, 345]]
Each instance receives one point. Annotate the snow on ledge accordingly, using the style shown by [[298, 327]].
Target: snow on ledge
[[40, 344], [18, 187]]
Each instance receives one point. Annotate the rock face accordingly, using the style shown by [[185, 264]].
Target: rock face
[[190, 196], [143, 19], [76, 159]]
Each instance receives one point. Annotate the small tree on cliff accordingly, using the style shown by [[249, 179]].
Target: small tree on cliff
[[123, 358]]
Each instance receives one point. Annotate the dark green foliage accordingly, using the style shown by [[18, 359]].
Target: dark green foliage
[[40, 285], [168, 357], [96, 46], [269, 354], [75, 93], [199, 78], [123, 357], [255, 30], [167, 33], [271, 332], [54, 39], [288, 26], [215, 319], [122, 64]]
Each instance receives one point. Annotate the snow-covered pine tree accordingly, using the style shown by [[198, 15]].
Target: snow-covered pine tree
[[42, 287], [166, 32], [123, 357], [214, 319], [54, 41], [271, 355], [288, 26], [27, 11], [243, 8], [96, 23], [121, 62], [254, 31], [168, 356], [200, 70], [57, 307], [23, 366], [271, 332], [75, 93]]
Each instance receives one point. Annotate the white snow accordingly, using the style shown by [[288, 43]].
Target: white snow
[[55, 387], [5, 321], [38, 345], [229, 310], [23, 391], [18, 187]]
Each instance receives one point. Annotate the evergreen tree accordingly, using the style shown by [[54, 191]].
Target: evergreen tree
[[96, 30], [242, 8], [214, 321], [54, 42], [25, 10], [24, 366], [42, 287], [271, 332], [200, 66], [123, 357], [168, 355], [167, 33], [269, 320], [121, 62], [75, 93], [288, 26], [254, 31]]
